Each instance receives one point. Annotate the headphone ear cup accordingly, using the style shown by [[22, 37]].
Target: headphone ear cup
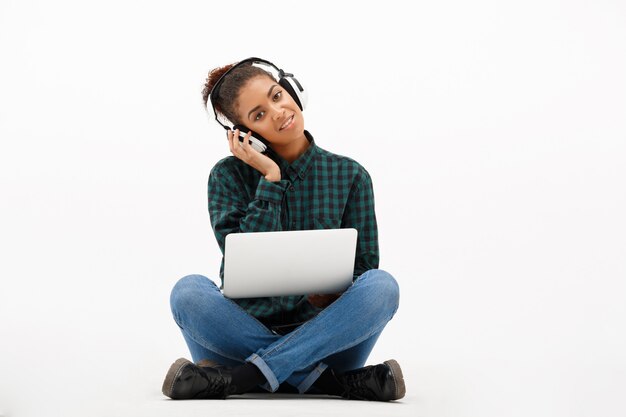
[[295, 90], [257, 141]]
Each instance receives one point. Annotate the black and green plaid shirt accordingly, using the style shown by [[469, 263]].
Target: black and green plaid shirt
[[319, 190]]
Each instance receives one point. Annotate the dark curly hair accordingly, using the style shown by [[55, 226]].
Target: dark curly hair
[[226, 99]]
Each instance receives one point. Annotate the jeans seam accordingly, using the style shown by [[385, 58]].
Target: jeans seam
[[293, 333], [342, 348], [288, 337]]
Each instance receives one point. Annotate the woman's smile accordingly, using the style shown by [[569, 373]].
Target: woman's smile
[[288, 123]]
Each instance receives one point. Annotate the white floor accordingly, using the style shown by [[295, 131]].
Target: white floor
[[270, 405], [519, 390]]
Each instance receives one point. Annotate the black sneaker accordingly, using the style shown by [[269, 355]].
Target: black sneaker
[[382, 382], [186, 380]]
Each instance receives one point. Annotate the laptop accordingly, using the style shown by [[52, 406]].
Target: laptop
[[298, 262]]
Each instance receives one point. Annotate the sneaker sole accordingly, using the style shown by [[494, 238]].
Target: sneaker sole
[[172, 374], [397, 377]]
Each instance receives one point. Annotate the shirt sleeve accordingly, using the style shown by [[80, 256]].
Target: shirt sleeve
[[233, 210], [360, 214]]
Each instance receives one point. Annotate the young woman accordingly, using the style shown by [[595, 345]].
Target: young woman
[[309, 343]]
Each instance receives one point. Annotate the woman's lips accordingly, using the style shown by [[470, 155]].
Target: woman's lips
[[288, 123]]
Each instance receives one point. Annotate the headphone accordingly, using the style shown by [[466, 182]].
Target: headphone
[[285, 80]]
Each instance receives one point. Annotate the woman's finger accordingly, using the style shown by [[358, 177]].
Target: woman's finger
[[246, 143]]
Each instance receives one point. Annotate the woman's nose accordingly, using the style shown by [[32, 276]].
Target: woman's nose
[[278, 113]]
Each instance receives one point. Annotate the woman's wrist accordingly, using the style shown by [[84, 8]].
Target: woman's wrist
[[273, 176]]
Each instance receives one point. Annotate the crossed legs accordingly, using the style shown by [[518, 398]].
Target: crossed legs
[[340, 337]]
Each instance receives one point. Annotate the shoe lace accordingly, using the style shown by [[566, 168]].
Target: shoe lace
[[214, 387], [355, 386]]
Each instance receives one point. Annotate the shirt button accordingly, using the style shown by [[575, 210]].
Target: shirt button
[[293, 224], [291, 188]]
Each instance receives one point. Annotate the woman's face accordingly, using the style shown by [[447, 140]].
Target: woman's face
[[266, 108]]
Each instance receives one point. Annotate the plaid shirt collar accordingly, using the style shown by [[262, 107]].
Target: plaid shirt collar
[[300, 166]]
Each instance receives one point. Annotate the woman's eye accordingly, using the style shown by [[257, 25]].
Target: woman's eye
[[259, 115], [278, 95]]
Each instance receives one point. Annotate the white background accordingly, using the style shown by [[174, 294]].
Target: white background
[[494, 132]]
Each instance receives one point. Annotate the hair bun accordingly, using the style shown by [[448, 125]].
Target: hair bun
[[214, 75]]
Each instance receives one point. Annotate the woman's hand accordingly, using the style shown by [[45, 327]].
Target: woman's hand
[[252, 157], [322, 300]]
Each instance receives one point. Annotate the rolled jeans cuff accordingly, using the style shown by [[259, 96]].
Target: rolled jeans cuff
[[273, 384], [265, 370], [312, 377]]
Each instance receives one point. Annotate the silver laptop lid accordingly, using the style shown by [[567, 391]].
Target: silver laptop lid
[[268, 264]]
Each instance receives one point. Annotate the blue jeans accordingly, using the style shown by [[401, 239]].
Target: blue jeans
[[340, 336]]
